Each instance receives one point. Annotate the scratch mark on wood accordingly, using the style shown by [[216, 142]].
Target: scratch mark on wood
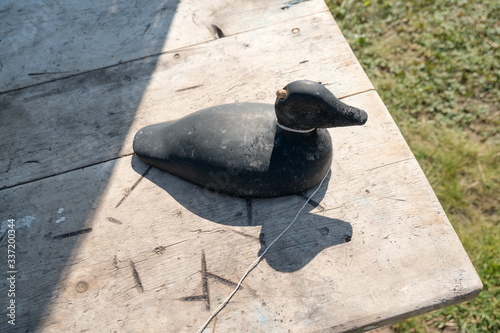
[[205, 297], [385, 165], [189, 88], [311, 202], [159, 250], [295, 240], [204, 279], [177, 213], [236, 85], [395, 199], [222, 280], [292, 3], [113, 220], [137, 279], [49, 73], [194, 298], [249, 211], [292, 71], [165, 8], [32, 162], [73, 233], [205, 274], [208, 231], [241, 84], [8, 166], [244, 235], [303, 62], [146, 30], [134, 186], [115, 262], [183, 241]]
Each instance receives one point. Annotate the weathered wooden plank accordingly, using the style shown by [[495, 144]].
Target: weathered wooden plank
[[50, 39], [90, 118], [375, 246]]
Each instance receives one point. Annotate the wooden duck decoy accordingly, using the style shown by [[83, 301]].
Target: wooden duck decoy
[[252, 149]]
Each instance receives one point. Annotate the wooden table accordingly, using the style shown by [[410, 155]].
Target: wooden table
[[103, 243]]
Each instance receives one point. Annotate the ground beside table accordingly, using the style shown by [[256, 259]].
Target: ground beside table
[[105, 243]]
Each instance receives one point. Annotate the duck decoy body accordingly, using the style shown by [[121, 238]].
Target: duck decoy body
[[252, 149]]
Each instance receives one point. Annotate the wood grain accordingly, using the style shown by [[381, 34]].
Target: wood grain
[[46, 40], [105, 242], [375, 246], [90, 118]]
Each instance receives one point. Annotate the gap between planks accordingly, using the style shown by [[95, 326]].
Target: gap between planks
[[65, 172]]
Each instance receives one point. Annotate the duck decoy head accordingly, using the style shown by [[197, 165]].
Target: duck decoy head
[[304, 105]]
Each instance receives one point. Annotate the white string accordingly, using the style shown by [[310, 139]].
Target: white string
[[295, 130], [256, 262]]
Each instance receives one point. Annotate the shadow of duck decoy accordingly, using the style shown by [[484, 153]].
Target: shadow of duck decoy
[[251, 149], [309, 236]]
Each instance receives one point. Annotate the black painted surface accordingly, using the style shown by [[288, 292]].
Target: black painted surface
[[238, 149]]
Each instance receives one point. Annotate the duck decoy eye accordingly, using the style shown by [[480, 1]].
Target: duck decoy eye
[[281, 93]]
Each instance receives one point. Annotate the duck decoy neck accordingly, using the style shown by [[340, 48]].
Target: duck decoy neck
[[304, 105]]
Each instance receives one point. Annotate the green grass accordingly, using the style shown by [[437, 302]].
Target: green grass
[[436, 65]]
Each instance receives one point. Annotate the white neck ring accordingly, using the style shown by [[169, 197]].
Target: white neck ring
[[295, 130]]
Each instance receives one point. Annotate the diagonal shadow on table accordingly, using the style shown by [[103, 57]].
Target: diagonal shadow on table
[[74, 74], [309, 235]]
